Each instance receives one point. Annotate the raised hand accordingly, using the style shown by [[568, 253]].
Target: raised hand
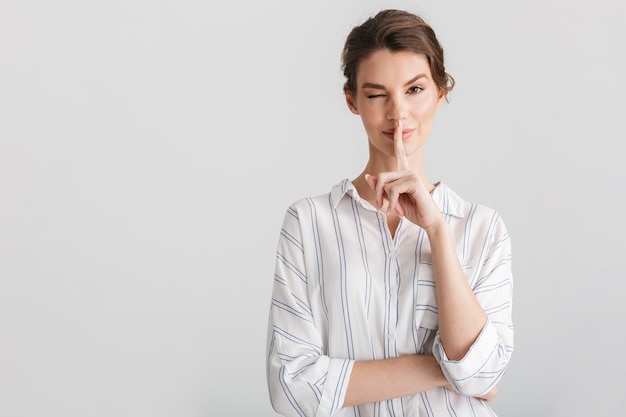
[[404, 190]]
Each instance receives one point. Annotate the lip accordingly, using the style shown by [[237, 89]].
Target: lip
[[406, 133]]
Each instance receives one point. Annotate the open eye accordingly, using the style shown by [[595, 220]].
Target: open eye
[[415, 89]]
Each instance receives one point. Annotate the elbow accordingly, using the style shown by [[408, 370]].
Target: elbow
[[480, 370], [482, 366], [471, 381]]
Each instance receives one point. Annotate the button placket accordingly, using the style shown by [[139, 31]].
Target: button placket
[[392, 302]]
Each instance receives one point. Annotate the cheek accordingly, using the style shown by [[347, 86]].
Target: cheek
[[425, 109], [370, 116]]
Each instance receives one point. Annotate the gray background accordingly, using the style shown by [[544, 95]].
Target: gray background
[[148, 151]]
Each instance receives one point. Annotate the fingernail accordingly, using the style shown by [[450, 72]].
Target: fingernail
[[367, 176]]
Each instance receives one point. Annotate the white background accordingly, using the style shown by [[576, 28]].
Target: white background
[[149, 149]]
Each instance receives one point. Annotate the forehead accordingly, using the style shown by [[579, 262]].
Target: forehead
[[387, 67]]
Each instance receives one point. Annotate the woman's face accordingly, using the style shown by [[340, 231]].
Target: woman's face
[[392, 87]]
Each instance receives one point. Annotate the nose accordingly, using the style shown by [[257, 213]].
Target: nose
[[395, 108]]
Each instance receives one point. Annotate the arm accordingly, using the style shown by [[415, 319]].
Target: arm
[[475, 338], [491, 283], [302, 379], [379, 380], [474, 342], [461, 317]]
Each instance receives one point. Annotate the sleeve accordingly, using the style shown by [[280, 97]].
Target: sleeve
[[302, 379], [485, 362]]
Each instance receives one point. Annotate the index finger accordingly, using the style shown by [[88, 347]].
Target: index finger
[[398, 146]]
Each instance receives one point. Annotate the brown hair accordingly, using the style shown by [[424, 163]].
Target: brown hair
[[395, 30]]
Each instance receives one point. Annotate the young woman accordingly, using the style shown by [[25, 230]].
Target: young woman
[[392, 295]]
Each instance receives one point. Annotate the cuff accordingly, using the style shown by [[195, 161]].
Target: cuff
[[335, 386]]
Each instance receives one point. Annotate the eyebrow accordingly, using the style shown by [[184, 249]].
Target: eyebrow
[[382, 87]]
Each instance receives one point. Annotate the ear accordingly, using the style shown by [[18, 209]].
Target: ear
[[442, 98], [350, 101]]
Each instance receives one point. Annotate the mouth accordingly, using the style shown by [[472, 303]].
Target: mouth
[[406, 133]]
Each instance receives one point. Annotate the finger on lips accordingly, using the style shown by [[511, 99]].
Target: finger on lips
[[400, 154], [378, 184]]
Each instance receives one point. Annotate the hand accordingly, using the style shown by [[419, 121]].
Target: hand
[[404, 190]]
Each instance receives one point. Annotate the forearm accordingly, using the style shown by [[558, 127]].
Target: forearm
[[461, 317], [380, 380]]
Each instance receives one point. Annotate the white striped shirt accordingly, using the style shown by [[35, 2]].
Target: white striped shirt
[[344, 290]]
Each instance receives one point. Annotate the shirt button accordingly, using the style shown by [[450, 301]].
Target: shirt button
[[390, 336], [392, 254]]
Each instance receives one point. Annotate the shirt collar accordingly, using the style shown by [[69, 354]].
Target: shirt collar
[[447, 200]]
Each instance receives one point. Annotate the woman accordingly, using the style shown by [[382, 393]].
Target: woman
[[392, 295]]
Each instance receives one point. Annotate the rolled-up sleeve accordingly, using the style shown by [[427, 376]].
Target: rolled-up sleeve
[[486, 360], [302, 379]]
